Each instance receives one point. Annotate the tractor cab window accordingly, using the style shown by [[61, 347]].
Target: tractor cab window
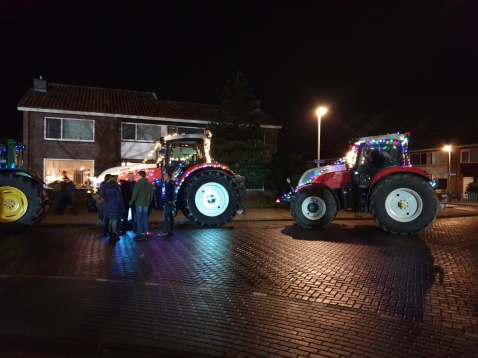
[[18, 158], [3, 156], [379, 157], [373, 159], [185, 153]]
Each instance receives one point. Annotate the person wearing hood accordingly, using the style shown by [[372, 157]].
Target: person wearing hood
[[103, 207], [115, 206]]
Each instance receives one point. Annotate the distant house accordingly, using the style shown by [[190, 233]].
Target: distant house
[[453, 170], [85, 130]]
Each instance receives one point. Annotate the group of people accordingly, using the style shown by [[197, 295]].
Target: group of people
[[116, 201]]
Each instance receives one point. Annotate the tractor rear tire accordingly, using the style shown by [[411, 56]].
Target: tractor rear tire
[[313, 207], [20, 202], [404, 204], [210, 198]]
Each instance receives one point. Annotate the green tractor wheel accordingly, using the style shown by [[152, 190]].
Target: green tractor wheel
[[15, 204], [20, 202]]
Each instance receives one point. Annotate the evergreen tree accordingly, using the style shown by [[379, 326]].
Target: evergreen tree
[[283, 166], [237, 135]]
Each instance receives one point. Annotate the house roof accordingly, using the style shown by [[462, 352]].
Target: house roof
[[119, 103]]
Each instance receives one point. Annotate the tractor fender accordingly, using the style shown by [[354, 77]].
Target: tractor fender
[[320, 185], [201, 167], [32, 176], [397, 169]]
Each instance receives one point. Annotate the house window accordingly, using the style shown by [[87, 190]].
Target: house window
[[79, 171], [442, 184], [185, 130], [428, 158], [469, 155], [474, 155], [140, 132], [82, 130], [421, 158]]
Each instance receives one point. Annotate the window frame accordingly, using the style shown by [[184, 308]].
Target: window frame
[[438, 180], [61, 130], [136, 132], [426, 158], [203, 129], [461, 155], [45, 170]]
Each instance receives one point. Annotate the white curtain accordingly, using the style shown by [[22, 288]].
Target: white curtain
[[148, 132], [77, 129]]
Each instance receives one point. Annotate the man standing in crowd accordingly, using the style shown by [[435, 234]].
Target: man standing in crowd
[[104, 205], [168, 205], [141, 199], [67, 193], [127, 188]]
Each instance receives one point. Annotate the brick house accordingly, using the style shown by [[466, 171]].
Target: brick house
[[85, 130]]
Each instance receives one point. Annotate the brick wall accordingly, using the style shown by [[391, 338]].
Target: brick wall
[[105, 151]]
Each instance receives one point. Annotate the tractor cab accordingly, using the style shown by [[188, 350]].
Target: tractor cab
[[11, 154], [368, 156], [175, 153]]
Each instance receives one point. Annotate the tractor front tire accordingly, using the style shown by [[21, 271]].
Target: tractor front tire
[[313, 207], [404, 204], [20, 202], [210, 198]]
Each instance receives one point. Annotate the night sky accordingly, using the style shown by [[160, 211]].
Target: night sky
[[406, 58]]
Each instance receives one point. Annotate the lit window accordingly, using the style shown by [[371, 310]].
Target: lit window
[[80, 172]]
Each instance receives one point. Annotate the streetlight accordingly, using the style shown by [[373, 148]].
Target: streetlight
[[321, 111], [448, 149]]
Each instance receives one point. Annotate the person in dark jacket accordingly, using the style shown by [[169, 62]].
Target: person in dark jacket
[[67, 193], [102, 209], [168, 205], [142, 197], [127, 188], [115, 206]]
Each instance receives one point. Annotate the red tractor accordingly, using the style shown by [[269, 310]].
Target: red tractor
[[376, 177], [208, 193]]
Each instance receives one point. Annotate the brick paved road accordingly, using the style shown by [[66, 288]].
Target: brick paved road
[[249, 289]]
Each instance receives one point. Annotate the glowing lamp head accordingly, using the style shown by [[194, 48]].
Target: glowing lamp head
[[447, 148], [321, 111]]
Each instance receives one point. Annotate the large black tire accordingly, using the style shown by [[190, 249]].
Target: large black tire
[[404, 204], [20, 202], [313, 207], [210, 198]]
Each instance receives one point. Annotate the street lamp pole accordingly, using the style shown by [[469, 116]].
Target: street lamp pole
[[448, 149], [321, 111]]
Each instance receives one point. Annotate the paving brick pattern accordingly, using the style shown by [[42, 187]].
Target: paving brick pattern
[[249, 289]]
